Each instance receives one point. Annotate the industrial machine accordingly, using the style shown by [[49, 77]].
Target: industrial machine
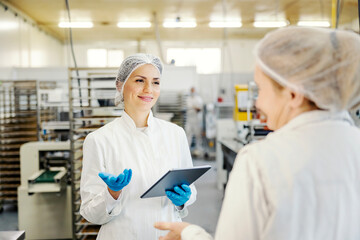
[[44, 196], [242, 114], [249, 123]]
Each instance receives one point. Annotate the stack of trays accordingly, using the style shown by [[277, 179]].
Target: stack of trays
[[18, 125]]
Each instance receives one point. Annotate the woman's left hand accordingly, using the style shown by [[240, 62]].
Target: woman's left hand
[[179, 195]]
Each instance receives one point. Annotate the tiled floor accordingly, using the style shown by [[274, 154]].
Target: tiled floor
[[204, 212], [9, 218]]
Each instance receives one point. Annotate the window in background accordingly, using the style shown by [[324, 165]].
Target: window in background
[[101, 57], [115, 57], [96, 57], [206, 60]]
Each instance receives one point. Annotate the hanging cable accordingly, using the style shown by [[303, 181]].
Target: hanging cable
[[73, 55], [337, 13], [321, 8], [359, 14], [225, 51], [158, 39]]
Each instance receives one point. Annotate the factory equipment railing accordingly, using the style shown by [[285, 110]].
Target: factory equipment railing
[[91, 98]]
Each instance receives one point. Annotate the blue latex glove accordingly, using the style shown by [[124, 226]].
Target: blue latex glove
[[179, 195], [116, 183]]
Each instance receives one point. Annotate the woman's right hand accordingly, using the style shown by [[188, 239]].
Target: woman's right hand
[[116, 183]]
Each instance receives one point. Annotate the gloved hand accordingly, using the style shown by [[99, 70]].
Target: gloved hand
[[179, 195], [116, 183]]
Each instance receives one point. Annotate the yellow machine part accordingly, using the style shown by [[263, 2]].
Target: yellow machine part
[[240, 115]]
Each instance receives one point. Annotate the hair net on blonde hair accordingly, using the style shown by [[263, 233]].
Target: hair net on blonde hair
[[128, 66], [323, 64]]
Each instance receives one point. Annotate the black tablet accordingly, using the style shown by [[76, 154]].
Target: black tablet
[[174, 178]]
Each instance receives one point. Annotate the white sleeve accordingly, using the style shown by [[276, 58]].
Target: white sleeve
[[110, 202], [244, 211], [194, 232], [97, 205]]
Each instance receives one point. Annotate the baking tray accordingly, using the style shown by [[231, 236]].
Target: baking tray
[[16, 165], [89, 230], [9, 180], [18, 140], [5, 186], [9, 159], [4, 173], [18, 133], [10, 146]]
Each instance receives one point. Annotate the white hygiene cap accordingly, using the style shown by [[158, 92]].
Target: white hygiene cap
[[323, 64], [128, 66]]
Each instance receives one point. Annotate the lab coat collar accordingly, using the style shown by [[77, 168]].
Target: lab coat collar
[[131, 124], [316, 116]]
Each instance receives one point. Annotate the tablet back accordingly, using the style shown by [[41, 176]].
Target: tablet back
[[174, 178]]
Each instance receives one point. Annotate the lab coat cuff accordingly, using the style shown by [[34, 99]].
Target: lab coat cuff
[[192, 232], [178, 208], [110, 202], [181, 211]]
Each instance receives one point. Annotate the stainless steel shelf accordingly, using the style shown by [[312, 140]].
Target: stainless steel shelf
[[19, 122], [80, 126]]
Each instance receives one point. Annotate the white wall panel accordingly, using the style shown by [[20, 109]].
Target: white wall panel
[[23, 45], [9, 40]]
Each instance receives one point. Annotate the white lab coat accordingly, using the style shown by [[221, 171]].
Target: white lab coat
[[150, 154], [300, 183]]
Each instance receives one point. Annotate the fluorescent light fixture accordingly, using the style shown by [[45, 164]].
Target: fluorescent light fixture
[[313, 24], [225, 24], [134, 24], [270, 24], [76, 25], [173, 24]]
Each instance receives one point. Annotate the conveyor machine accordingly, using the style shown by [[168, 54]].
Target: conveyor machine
[[44, 196]]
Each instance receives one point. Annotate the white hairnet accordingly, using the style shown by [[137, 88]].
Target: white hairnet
[[323, 64], [128, 66]]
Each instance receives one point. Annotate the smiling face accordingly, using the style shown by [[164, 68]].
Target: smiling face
[[142, 89], [272, 100]]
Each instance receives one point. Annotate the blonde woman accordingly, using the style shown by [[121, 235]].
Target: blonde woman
[[125, 157], [302, 180]]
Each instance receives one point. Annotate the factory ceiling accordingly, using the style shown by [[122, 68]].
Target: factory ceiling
[[105, 14]]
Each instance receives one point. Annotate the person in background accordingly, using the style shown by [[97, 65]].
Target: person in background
[[122, 159], [302, 180], [193, 126]]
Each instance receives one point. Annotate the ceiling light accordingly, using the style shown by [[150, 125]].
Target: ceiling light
[[76, 25], [225, 24], [313, 24], [134, 24], [175, 24], [270, 24]]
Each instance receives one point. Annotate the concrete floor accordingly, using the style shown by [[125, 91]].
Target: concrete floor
[[204, 212]]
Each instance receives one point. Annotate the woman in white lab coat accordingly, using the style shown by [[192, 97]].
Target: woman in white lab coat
[[302, 180], [125, 157]]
